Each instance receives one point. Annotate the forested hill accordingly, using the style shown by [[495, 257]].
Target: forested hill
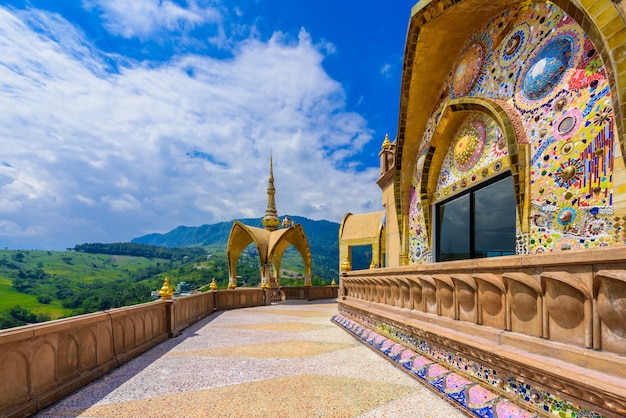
[[318, 233], [140, 250]]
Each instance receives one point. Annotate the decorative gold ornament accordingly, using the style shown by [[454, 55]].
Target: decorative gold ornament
[[166, 291], [386, 143], [345, 265], [333, 283], [567, 148], [568, 172], [213, 285], [560, 103], [566, 216]]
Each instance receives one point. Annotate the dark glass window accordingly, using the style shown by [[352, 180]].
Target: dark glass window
[[454, 229], [479, 223]]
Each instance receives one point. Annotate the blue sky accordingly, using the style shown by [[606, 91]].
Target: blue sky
[[126, 117]]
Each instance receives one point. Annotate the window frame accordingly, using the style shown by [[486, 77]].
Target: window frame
[[470, 191]]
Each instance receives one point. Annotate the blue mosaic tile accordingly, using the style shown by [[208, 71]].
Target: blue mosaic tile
[[486, 412], [459, 396]]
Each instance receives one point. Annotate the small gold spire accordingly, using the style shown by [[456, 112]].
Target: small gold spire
[[213, 285], [333, 283], [345, 265], [372, 265], [166, 291], [270, 221], [386, 143]]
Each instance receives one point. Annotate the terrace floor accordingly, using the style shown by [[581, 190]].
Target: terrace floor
[[283, 360]]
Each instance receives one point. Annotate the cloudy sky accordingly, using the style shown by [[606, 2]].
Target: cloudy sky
[[120, 118]]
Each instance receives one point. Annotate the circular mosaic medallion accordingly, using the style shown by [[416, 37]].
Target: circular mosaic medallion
[[567, 148], [566, 216], [569, 172], [545, 74], [468, 144], [514, 44], [468, 69], [567, 125], [547, 68], [595, 228], [540, 220], [499, 147], [444, 178]]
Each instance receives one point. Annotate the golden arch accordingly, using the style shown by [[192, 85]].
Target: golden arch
[[449, 121], [424, 71], [271, 246]]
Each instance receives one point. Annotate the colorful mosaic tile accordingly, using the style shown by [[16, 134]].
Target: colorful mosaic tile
[[506, 409], [547, 71], [454, 383], [447, 370]]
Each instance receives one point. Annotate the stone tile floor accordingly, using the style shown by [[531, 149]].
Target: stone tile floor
[[283, 360]]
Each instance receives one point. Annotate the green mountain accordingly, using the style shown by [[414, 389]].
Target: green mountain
[[323, 237]]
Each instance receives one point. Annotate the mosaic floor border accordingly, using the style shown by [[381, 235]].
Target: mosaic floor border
[[470, 385]]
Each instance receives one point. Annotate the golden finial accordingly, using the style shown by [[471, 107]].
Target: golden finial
[[213, 285], [372, 265], [166, 291], [386, 143], [345, 265], [333, 283]]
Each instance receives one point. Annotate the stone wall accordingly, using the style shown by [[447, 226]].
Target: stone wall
[[310, 292], [40, 364], [555, 322]]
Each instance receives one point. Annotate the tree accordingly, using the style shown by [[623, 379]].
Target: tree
[[45, 299]]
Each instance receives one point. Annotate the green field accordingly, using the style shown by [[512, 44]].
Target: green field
[[10, 297], [71, 283]]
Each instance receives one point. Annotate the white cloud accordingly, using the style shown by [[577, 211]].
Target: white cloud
[[385, 70], [124, 202], [143, 18], [92, 155]]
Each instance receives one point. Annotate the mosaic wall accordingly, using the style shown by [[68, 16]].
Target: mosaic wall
[[542, 66]]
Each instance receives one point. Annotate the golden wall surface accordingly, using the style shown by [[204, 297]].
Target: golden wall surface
[[555, 210]]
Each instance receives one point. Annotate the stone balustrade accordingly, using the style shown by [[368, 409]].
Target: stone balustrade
[[310, 292], [42, 363], [528, 316]]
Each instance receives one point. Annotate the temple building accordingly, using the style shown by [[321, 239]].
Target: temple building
[[500, 254], [271, 242]]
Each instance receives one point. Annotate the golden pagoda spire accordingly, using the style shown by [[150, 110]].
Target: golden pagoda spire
[[386, 143], [270, 220], [166, 291]]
